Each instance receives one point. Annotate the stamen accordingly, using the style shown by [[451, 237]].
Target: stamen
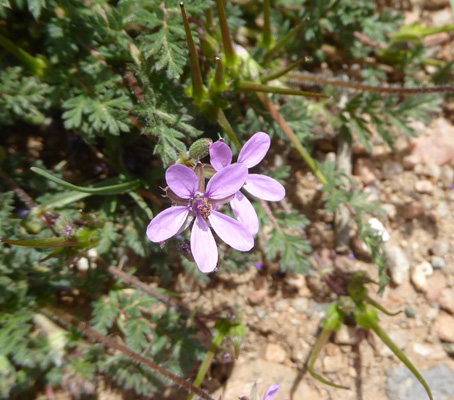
[[205, 208]]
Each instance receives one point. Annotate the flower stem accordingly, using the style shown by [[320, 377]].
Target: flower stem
[[333, 319], [292, 137], [196, 75], [230, 55], [222, 120], [306, 77], [36, 65], [257, 87], [371, 323], [215, 343], [266, 38]]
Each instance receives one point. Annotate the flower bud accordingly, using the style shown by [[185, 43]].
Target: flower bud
[[200, 148]]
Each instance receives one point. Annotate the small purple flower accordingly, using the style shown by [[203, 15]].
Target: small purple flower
[[186, 189], [260, 186], [269, 394]]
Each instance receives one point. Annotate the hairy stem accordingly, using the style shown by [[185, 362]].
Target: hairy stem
[[215, 343], [306, 77], [281, 72], [230, 54], [292, 137], [196, 75], [222, 120], [65, 319], [257, 87]]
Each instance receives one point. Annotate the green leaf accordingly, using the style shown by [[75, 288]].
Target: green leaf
[[101, 191], [35, 7]]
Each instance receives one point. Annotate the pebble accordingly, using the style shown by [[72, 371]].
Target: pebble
[[440, 248], [437, 262], [424, 186], [364, 168], [275, 353], [401, 384], [413, 210], [419, 275], [410, 161], [447, 176], [390, 210], [398, 264], [443, 328], [436, 283], [431, 351], [332, 364], [434, 170], [410, 312], [446, 300], [443, 209], [391, 168], [301, 305], [347, 335], [257, 296]]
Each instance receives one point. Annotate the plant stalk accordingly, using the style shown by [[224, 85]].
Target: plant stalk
[[230, 54], [222, 120], [291, 136]]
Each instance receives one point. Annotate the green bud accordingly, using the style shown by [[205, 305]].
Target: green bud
[[200, 148]]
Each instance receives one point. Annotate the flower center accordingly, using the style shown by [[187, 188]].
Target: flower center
[[204, 208]]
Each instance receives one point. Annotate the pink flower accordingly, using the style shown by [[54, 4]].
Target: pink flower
[[186, 189], [260, 186]]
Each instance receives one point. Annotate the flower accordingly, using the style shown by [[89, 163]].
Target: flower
[[186, 189], [269, 394], [260, 186]]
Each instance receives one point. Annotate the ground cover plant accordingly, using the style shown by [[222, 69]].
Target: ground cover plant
[[149, 140]]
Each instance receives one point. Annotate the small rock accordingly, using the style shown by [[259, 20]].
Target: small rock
[[275, 353], [332, 364], [447, 176], [413, 210], [257, 296], [301, 305], [434, 170], [398, 264], [443, 209], [437, 262], [347, 335], [424, 186], [435, 285], [390, 210], [391, 168], [410, 312], [378, 226], [401, 384], [446, 300], [410, 161], [431, 351], [449, 348], [440, 248], [364, 168], [444, 328], [419, 275]]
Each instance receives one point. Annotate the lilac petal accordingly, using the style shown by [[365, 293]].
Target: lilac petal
[[231, 231], [264, 187], [271, 392], [254, 150], [203, 246], [220, 155], [167, 223], [226, 182], [182, 180], [245, 213]]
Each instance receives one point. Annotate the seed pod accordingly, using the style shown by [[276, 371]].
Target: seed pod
[[200, 148]]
